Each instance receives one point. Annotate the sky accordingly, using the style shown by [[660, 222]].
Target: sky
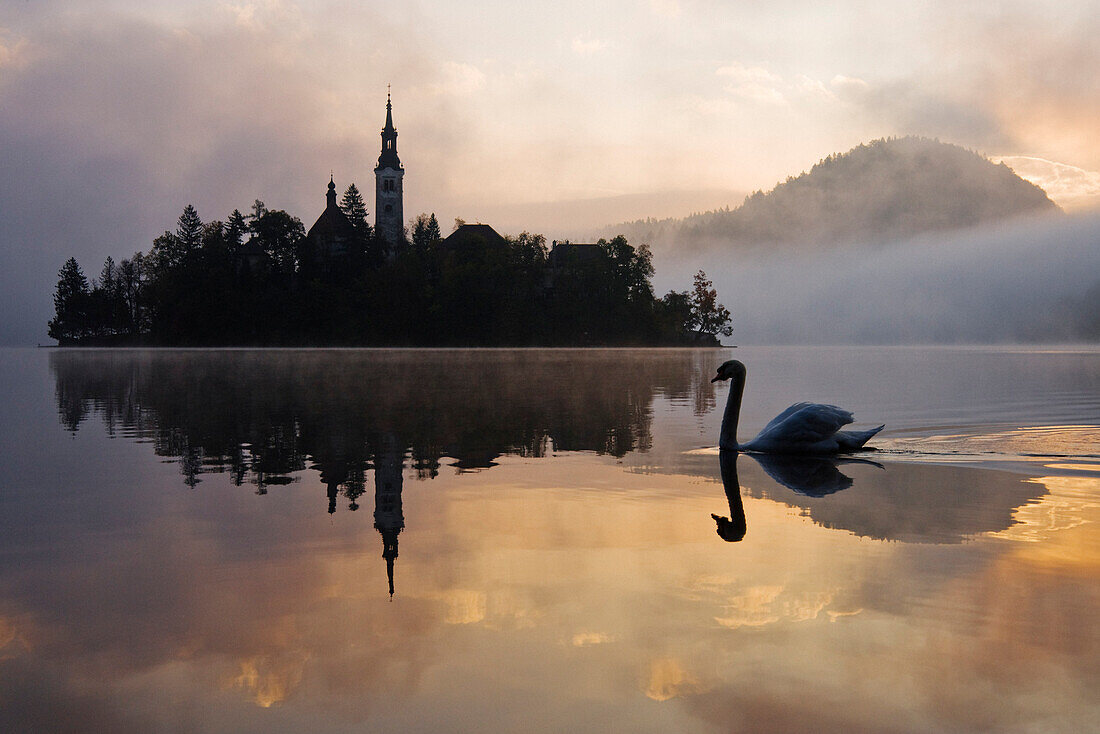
[[115, 115]]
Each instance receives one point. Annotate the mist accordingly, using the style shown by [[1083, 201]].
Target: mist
[[1034, 280]]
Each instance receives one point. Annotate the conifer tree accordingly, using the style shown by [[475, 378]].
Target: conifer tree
[[354, 207], [70, 302], [235, 228], [189, 230], [434, 232]]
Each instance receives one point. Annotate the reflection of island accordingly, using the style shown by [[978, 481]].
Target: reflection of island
[[262, 416]]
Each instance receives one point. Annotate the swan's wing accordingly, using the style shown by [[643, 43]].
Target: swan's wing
[[805, 423], [785, 415]]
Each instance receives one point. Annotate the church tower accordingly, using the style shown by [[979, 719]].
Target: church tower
[[389, 218]]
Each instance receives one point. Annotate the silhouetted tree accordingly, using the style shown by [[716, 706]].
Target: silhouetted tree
[[279, 234], [189, 230], [674, 314], [131, 284], [354, 207], [235, 228], [425, 232], [71, 301], [708, 316]]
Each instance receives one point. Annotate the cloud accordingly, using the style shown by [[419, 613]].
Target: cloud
[[460, 79], [755, 83], [665, 8], [912, 107], [13, 51], [587, 46]]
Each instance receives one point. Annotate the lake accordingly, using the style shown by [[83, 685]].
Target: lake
[[546, 541]]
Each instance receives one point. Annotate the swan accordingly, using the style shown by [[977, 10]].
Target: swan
[[803, 428]]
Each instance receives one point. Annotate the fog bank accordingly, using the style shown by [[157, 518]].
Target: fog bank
[[1030, 281]]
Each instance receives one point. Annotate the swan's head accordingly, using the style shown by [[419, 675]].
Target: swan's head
[[729, 530], [729, 370]]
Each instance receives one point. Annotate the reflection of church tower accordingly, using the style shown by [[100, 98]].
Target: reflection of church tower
[[388, 518], [388, 217]]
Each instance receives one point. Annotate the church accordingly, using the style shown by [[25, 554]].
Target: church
[[330, 237]]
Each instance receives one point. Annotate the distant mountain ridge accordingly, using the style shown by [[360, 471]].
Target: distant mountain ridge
[[881, 191]]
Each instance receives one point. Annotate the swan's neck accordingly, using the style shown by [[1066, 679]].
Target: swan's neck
[[727, 439]]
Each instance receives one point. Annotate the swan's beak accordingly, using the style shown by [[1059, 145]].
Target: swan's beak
[[717, 378]]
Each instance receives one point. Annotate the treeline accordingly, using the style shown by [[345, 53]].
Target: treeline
[[257, 280]]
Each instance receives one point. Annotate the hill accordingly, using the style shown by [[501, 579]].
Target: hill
[[877, 192]]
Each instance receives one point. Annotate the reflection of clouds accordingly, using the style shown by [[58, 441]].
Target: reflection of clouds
[[763, 605], [278, 610], [464, 606], [1072, 501], [11, 639], [268, 681], [585, 639], [668, 679]]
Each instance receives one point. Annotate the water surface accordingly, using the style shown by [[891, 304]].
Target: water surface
[[507, 540]]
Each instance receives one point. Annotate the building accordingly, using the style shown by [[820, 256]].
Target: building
[[331, 237], [568, 260], [389, 217], [473, 237]]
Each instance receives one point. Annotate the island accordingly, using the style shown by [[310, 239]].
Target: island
[[262, 279]]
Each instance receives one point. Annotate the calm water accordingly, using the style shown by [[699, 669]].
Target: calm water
[[207, 541]]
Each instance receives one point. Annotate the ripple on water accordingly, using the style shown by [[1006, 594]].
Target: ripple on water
[[1018, 443]]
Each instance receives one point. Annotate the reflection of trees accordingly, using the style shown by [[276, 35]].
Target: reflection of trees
[[263, 415]]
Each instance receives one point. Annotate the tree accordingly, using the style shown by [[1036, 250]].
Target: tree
[[109, 277], [71, 301], [258, 210], [676, 315], [235, 228], [131, 280], [707, 315], [189, 230], [354, 207], [278, 234], [425, 232]]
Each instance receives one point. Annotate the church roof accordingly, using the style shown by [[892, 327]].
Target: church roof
[[332, 221], [469, 236], [564, 254]]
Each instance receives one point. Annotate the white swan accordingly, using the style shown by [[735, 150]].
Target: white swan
[[803, 428]]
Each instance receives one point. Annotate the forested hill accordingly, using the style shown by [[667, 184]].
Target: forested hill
[[878, 192]]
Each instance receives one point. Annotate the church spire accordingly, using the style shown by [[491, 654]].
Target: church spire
[[389, 115], [388, 209], [330, 197], [388, 157]]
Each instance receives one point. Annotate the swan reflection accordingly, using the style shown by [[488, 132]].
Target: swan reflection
[[812, 476], [731, 529]]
